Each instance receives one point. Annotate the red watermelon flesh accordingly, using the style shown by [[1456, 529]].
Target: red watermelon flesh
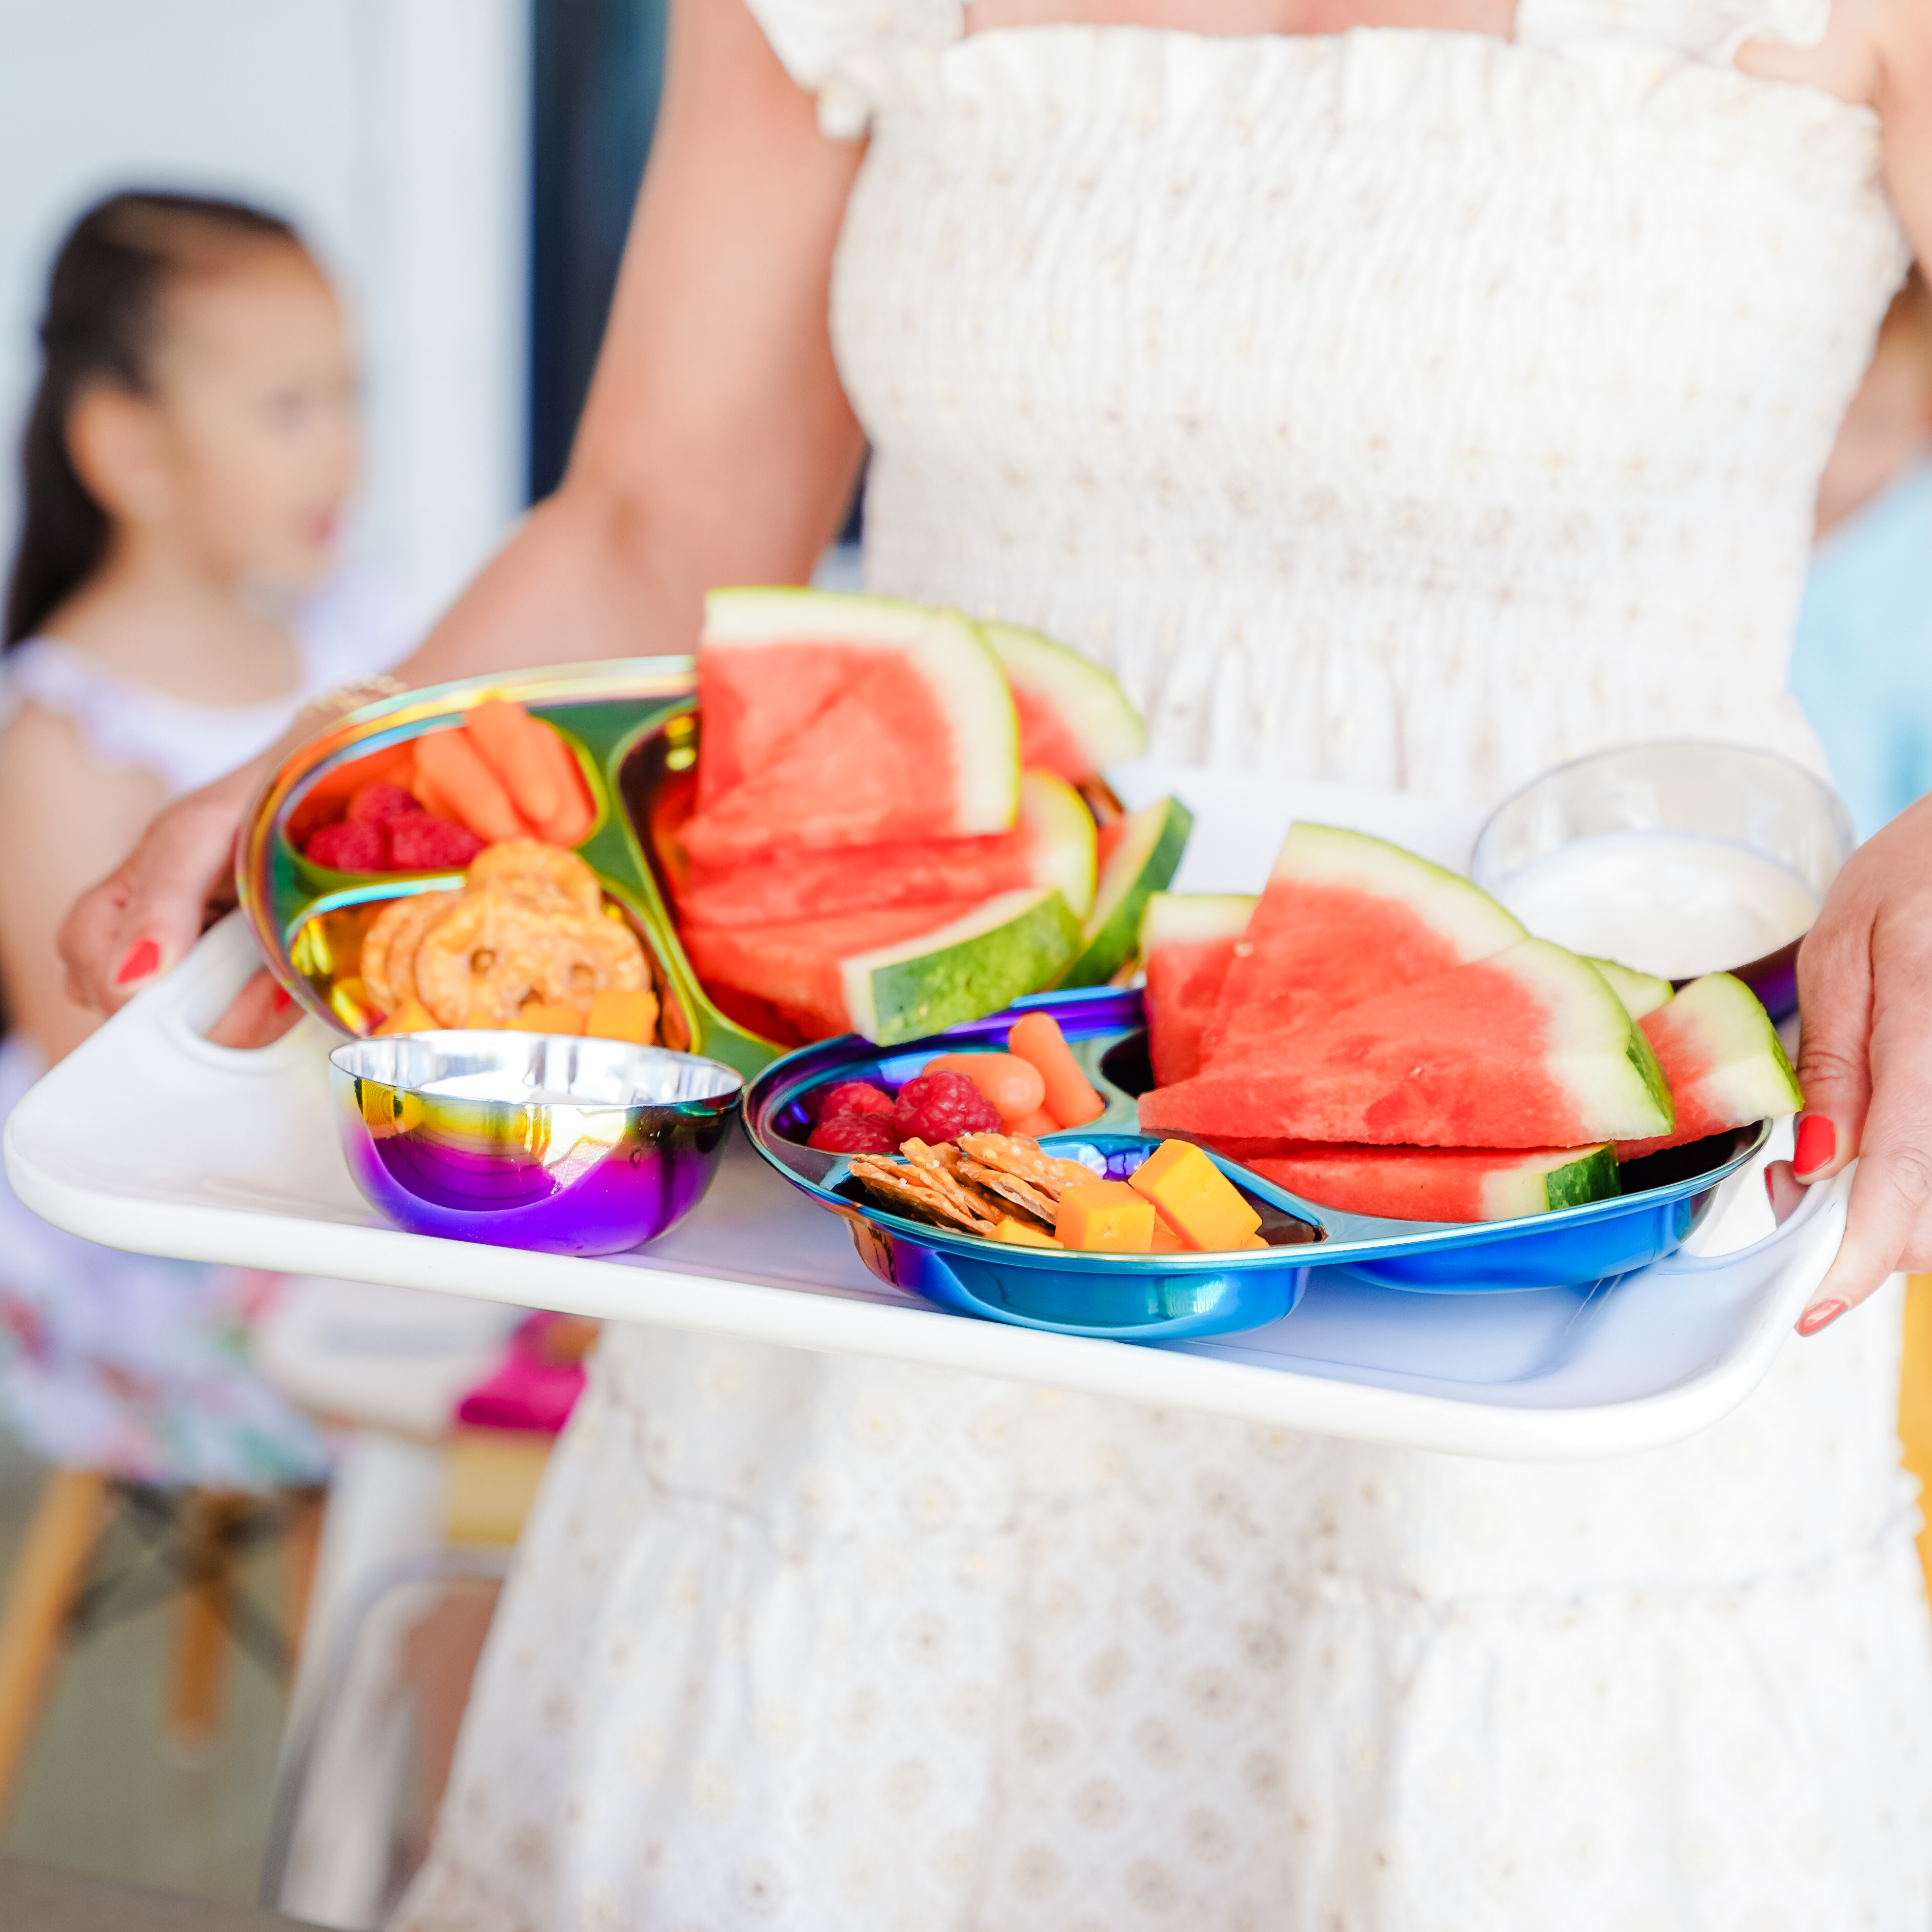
[[1183, 983], [1345, 918], [1046, 742], [828, 885], [1529, 1049], [1724, 1059], [1432, 1183], [796, 966], [754, 699]]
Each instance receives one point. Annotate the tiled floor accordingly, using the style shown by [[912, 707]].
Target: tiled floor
[[102, 1793]]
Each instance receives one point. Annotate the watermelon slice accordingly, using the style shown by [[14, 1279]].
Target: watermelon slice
[[1641, 993], [1187, 942], [1346, 917], [1528, 1049], [1435, 1184], [1074, 717], [897, 974], [1142, 855], [901, 726], [1725, 1063], [1052, 845]]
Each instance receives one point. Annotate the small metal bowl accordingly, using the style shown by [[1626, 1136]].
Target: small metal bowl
[[1730, 793], [543, 1141]]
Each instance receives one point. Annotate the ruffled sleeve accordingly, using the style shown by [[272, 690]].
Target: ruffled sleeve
[[1711, 30], [854, 54]]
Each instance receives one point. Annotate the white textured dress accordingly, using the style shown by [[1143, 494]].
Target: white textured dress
[[1408, 408]]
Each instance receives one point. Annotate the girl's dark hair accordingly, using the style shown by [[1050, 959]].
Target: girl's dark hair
[[102, 325]]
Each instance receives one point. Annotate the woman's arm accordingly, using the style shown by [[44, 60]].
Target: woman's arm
[[716, 447], [1865, 973]]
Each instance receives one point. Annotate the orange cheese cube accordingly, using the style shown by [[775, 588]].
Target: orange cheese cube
[[412, 1016], [618, 1014], [1258, 1241], [1023, 1234], [1202, 1204], [536, 1017], [1105, 1217], [1166, 1240]]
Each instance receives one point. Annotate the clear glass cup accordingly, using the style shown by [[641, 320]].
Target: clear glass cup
[[1743, 797]]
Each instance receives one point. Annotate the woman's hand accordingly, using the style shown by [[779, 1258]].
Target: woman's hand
[[1865, 987], [140, 920]]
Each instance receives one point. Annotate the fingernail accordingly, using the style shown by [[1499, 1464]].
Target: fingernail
[[1823, 1316], [1817, 1142], [284, 999], [143, 956]]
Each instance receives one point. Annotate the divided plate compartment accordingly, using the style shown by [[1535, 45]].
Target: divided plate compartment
[[631, 724], [1159, 1298]]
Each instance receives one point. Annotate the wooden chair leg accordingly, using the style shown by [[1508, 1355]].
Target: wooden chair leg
[[1914, 1404], [302, 1543], [201, 1630], [46, 1578]]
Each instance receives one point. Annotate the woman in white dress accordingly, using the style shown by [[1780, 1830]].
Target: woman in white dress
[[1419, 405]]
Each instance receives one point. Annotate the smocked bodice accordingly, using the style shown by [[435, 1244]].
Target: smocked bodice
[[1403, 407]]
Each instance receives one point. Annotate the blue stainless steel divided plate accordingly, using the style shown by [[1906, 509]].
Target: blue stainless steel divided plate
[[1159, 1298]]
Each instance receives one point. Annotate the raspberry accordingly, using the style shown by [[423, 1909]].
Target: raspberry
[[346, 847], [421, 843], [854, 1133], [382, 805], [942, 1106], [856, 1096]]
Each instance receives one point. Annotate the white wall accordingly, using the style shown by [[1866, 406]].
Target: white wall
[[394, 132]]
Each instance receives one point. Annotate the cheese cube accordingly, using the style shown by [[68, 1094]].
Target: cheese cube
[[1017, 1234], [1202, 1204], [617, 1013], [1105, 1217], [412, 1016], [536, 1017]]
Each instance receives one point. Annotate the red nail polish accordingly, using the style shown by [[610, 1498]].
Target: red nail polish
[[1817, 1142], [1823, 1316], [283, 998], [143, 956]]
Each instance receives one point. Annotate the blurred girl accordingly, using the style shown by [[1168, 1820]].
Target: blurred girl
[[186, 461]]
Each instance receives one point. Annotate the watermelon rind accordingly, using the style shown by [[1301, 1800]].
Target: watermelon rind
[[1408, 1183], [1065, 840], [1638, 1081], [1013, 945], [944, 647], [1095, 711], [1463, 914], [1190, 918], [1746, 1075], [1641, 993], [1146, 857]]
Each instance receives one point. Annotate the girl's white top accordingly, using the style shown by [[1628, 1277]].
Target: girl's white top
[[345, 630], [1414, 408]]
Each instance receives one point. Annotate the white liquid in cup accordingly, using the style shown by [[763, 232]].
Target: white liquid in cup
[[1670, 903]]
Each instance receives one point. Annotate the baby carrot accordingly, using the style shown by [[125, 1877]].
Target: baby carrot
[[570, 824], [1070, 1097], [457, 775], [511, 742], [1034, 1126], [1015, 1086]]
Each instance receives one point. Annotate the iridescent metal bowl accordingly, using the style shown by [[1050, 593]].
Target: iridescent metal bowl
[[568, 1146]]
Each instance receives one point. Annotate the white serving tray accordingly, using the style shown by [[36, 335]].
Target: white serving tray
[[149, 1137]]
